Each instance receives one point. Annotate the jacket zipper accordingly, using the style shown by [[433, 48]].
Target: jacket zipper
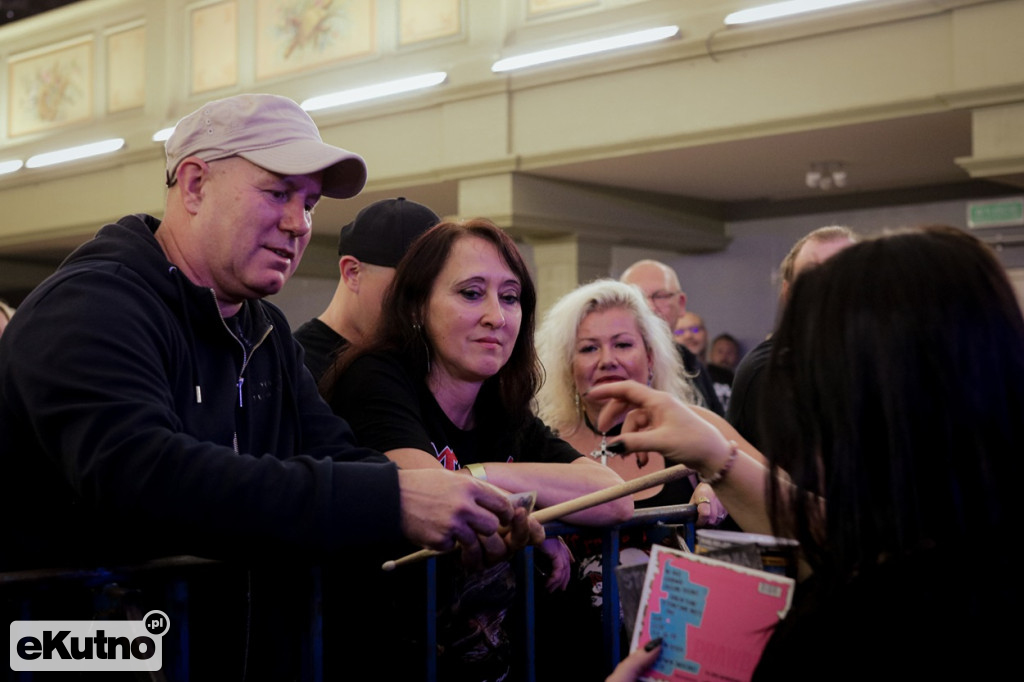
[[246, 356]]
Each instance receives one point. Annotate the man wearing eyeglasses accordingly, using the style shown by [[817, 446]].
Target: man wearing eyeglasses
[[660, 285], [691, 332]]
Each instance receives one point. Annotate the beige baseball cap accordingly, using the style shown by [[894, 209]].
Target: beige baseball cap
[[270, 131]]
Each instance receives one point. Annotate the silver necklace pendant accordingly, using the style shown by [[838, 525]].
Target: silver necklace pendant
[[603, 453]]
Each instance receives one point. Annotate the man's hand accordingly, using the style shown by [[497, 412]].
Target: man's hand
[[440, 510], [524, 530]]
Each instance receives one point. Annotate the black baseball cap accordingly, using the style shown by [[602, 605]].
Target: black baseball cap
[[383, 231]]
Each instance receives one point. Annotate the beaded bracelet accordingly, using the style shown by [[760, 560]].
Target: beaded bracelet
[[720, 474]]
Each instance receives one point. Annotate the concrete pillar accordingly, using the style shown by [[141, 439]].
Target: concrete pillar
[[997, 136]]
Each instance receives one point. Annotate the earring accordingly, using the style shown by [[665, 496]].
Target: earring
[[650, 376]]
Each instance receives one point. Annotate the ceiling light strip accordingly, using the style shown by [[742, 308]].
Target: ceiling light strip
[[10, 166], [778, 10], [74, 153], [588, 47], [368, 92]]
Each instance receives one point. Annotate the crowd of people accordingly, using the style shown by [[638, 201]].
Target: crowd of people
[[152, 403]]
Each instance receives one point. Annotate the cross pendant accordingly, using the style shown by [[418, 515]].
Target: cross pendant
[[602, 453]]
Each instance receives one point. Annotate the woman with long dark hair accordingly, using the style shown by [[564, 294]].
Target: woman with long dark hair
[[894, 460], [448, 381]]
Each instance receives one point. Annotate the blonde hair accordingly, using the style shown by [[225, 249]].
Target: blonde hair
[[556, 346]]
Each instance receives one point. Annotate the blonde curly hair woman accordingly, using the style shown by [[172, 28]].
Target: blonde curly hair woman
[[602, 332]]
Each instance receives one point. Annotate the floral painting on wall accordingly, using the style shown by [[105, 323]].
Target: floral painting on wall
[[50, 87], [293, 35]]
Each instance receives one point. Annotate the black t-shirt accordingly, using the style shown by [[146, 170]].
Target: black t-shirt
[[389, 407], [746, 387], [721, 379], [322, 345], [701, 380]]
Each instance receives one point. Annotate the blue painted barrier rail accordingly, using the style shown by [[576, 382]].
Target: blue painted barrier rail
[[21, 592]]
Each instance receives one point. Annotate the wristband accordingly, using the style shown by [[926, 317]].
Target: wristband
[[720, 474], [477, 471]]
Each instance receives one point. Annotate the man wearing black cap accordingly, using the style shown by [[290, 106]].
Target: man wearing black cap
[[369, 248]]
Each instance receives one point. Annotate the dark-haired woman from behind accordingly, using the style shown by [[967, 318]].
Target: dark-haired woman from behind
[[895, 460]]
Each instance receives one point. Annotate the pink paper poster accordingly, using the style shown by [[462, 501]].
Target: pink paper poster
[[714, 617]]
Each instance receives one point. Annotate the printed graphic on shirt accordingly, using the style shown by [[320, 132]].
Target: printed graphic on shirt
[[446, 456]]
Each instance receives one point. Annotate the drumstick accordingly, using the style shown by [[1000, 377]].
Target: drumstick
[[557, 511]]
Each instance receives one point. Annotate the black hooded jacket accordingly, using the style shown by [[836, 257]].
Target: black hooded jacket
[[135, 422]]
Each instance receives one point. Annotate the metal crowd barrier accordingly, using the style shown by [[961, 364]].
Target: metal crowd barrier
[[21, 588], [684, 515]]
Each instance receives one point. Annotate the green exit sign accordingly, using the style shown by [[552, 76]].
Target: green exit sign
[[1000, 213]]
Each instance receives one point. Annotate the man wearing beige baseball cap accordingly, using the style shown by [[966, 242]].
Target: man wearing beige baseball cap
[[146, 386]]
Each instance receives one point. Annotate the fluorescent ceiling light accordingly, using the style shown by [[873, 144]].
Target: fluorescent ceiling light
[[74, 153], [782, 9], [336, 99], [522, 61], [10, 166], [162, 134]]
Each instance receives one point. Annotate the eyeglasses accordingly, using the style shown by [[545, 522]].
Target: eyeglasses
[[692, 330], [661, 296]]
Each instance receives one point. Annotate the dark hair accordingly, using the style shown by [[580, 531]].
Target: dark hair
[[405, 306], [898, 377], [726, 336]]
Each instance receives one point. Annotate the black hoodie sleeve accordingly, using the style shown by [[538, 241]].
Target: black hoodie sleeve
[[97, 400]]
